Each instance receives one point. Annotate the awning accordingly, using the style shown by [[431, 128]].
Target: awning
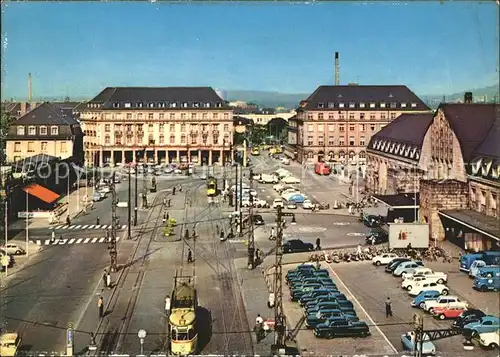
[[476, 221], [41, 192], [400, 201]]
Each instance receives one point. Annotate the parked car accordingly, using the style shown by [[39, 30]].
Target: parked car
[[443, 289], [384, 259], [486, 324], [313, 295], [408, 342], [307, 204], [395, 263], [372, 221], [490, 340], [291, 205], [323, 315], [377, 236], [338, 327], [410, 283], [278, 187], [12, 249], [448, 312], [468, 316], [425, 295], [445, 301], [296, 246], [407, 267], [423, 271], [290, 180], [258, 220], [278, 202], [96, 197]]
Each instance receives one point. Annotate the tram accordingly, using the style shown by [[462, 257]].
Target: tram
[[322, 169], [182, 320], [211, 186]]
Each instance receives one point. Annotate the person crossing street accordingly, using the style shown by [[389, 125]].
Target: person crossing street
[[100, 305]]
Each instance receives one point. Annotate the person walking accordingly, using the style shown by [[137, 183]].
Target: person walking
[[318, 243], [190, 256], [105, 278], [68, 220], [108, 280], [97, 221], [167, 305], [168, 216], [388, 307], [100, 305], [272, 233], [169, 204]]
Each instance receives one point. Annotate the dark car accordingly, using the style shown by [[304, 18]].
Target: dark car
[[297, 246], [313, 295], [320, 274], [378, 235], [372, 221], [468, 316], [394, 264], [323, 315], [341, 327], [258, 220]]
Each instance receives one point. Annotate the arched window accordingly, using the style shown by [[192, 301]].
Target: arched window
[[362, 155], [20, 130]]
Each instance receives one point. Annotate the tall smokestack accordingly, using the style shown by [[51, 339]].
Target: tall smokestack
[[337, 81], [29, 87]]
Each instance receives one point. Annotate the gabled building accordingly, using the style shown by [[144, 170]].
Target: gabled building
[[49, 129], [167, 124], [336, 123]]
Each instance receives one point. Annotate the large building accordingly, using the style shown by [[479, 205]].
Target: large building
[[451, 160], [168, 124], [48, 129], [336, 122]]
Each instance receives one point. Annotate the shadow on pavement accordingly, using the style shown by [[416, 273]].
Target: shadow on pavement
[[204, 320], [129, 264], [108, 342], [17, 284]]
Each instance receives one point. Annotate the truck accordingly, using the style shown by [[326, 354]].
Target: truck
[[489, 257], [403, 234]]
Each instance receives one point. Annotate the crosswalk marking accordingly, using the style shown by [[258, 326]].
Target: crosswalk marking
[[72, 241], [86, 226]]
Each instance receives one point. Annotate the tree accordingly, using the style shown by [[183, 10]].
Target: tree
[[5, 122]]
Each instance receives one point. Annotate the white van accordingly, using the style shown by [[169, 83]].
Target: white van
[[265, 178], [475, 266]]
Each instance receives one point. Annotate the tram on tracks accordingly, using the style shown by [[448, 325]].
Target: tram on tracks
[[182, 320], [211, 186]]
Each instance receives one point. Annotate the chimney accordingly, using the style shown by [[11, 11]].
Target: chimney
[[23, 108], [337, 81], [29, 87], [468, 98]]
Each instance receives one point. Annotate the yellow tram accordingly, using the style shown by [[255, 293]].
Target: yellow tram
[[211, 186], [182, 320]]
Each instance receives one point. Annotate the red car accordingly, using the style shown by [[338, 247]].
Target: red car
[[450, 312]]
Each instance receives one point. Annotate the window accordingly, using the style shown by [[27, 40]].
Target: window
[[162, 140], [171, 127], [361, 116], [331, 105], [310, 127], [331, 141], [183, 128], [193, 139], [372, 105], [493, 205], [331, 116], [382, 105], [403, 105], [107, 128], [372, 127], [204, 116], [31, 130], [393, 115], [127, 105], [383, 116], [216, 139], [310, 116], [183, 116], [362, 141], [44, 146], [173, 105], [193, 116], [341, 142], [393, 105], [172, 116], [341, 105], [139, 116], [473, 198], [482, 199], [183, 139], [226, 127], [63, 147], [341, 128], [43, 130], [352, 105], [107, 140], [17, 146], [320, 116], [351, 127], [321, 140], [150, 127], [20, 130], [331, 127], [129, 116], [226, 116], [162, 127], [310, 155], [362, 127], [31, 146], [310, 140], [342, 116], [321, 105], [321, 127], [172, 139], [372, 115], [151, 105], [413, 105], [207, 105], [361, 105], [54, 130], [151, 116], [351, 141], [352, 116]]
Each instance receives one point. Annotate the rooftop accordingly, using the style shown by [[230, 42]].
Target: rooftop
[[406, 200], [406, 129], [364, 97], [475, 220], [47, 114]]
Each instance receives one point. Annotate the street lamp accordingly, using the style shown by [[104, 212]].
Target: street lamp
[[142, 335]]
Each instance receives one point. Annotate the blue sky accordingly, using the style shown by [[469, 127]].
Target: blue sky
[[77, 49]]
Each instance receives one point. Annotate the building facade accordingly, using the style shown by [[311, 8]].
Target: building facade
[[336, 122], [48, 129], [169, 124]]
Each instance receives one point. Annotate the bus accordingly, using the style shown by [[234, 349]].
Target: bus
[[322, 169], [182, 319], [211, 186]]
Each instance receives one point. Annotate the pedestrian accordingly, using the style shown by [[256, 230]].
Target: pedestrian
[[169, 202], [100, 305], [180, 188], [68, 220], [318, 243], [259, 320], [272, 233], [358, 251], [164, 218], [105, 278], [173, 190], [168, 216], [165, 201], [190, 256], [388, 307], [186, 234], [108, 280], [97, 221], [266, 328], [167, 305]]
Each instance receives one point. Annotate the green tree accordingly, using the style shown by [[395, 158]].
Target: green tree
[[4, 128]]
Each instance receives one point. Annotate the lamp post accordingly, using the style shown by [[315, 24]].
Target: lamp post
[[142, 335]]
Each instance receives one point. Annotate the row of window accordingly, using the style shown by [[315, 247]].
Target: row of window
[[332, 142], [484, 201], [361, 105], [163, 116], [161, 127], [42, 130], [33, 146], [342, 127], [341, 155], [161, 105], [161, 140], [352, 116]]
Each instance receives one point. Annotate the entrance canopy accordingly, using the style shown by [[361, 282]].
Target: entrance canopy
[[41, 192], [476, 221], [399, 201]]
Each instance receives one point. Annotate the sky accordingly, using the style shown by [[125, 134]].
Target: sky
[[76, 49]]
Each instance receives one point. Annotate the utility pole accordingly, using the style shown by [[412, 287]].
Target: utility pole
[[224, 164], [135, 194], [251, 241], [129, 205], [279, 316], [113, 253], [241, 197], [236, 188], [144, 184]]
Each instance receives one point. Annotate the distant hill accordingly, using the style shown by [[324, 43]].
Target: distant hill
[[267, 99], [489, 94]]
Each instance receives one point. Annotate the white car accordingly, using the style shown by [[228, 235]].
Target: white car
[[445, 301], [289, 191], [417, 289], [177, 171], [290, 180], [278, 187], [260, 203], [285, 161], [265, 178], [410, 283], [278, 202], [490, 340], [12, 249], [307, 204], [104, 189], [428, 274], [384, 259], [250, 191]]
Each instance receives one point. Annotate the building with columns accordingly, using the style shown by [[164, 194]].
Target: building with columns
[[453, 164], [168, 124], [336, 123]]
